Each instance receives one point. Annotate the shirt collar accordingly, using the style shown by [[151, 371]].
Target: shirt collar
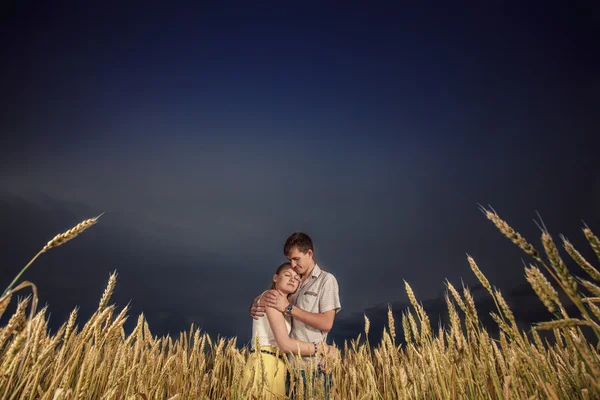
[[316, 271]]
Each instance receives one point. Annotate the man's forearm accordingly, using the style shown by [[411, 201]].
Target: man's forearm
[[318, 321]]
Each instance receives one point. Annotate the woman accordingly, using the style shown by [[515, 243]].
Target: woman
[[272, 331]]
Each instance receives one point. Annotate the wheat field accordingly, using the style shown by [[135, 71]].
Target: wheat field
[[99, 360]]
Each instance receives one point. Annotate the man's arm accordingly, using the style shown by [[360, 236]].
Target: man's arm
[[320, 321], [329, 305]]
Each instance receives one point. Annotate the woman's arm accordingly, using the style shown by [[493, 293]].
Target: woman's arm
[[285, 343]]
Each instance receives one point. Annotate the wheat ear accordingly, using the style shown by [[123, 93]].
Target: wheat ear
[[593, 240], [583, 263], [64, 237], [542, 287], [112, 280], [510, 233], [55, 242], [4, 301]]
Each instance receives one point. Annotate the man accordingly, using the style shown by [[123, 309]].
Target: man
[[316, 302]]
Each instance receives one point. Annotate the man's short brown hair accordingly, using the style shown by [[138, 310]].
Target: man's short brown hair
[[298, 240]]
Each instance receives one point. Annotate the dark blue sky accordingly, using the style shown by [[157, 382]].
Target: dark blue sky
[[209, 133]]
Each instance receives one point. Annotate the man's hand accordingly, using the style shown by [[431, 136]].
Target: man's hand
[[332, 353], [330, 357], [257, 310], [276, 300]]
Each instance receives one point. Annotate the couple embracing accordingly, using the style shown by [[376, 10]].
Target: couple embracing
[[293, 318]]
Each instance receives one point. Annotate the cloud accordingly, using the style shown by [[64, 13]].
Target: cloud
[[156, 277]]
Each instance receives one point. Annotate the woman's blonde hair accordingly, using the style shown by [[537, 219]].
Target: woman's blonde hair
[[280, 269]]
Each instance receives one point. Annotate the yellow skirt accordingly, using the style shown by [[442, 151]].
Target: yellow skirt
[[275, 372]]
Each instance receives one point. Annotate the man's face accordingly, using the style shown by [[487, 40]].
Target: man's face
[[301, 262]]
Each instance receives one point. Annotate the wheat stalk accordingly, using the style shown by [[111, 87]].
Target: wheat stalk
[[562, 323], [55, 242]]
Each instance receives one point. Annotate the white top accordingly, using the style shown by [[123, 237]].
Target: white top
[[262, 329]]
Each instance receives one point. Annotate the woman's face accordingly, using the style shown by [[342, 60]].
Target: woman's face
[[287, 281]]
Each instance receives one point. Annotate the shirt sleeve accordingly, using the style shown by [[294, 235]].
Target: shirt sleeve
[[330, 295]]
